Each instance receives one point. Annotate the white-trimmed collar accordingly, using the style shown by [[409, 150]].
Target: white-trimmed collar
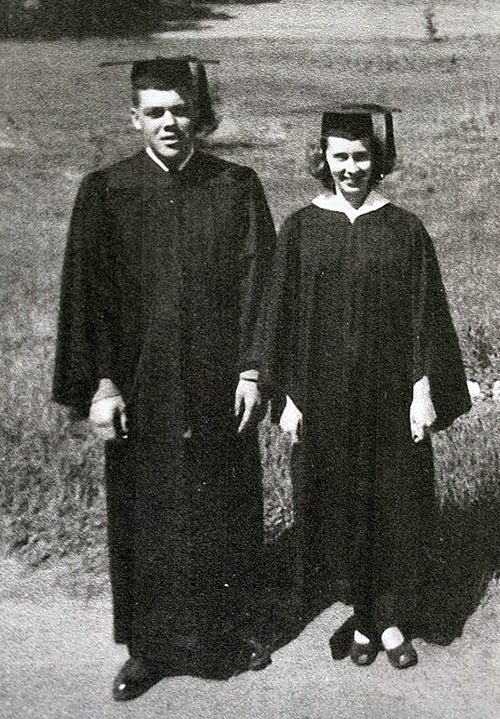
[[156, 159], [338, 203]]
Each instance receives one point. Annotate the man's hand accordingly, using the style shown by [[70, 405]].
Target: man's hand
[[107, 407], [291, 421], [248, 399], [422, 412]]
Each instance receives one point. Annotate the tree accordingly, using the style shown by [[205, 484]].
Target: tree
[[81, 18], [17, 18], [86, 18]]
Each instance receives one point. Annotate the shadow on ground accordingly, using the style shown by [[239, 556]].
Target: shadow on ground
[[464, 556]]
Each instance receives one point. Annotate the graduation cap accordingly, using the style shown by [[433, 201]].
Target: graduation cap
[[166, 73], [361, 121]]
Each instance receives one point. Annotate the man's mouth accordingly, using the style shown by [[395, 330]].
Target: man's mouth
[[169, 140]]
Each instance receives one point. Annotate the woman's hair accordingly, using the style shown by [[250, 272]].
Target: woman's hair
[[318, 165]]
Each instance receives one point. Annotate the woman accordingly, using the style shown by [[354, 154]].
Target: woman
[[359, 337]]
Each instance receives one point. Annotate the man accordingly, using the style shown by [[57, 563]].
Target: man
[[166, 259]]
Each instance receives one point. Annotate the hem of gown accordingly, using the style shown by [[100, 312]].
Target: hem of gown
[[216, 657]]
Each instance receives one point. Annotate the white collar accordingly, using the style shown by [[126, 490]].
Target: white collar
[[156, 159], [338, 203]]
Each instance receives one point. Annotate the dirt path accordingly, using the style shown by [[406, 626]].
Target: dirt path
[[57, 660]]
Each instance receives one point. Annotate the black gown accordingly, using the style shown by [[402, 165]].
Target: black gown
[[161, 286], [355, 314]]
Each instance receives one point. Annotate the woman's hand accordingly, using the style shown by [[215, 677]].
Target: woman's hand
[[247, 399], [291, 421], [422, 412]]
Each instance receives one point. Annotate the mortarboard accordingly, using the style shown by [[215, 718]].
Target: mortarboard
[[359, 121]]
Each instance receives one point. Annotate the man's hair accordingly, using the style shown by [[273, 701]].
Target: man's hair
[[318, 165]]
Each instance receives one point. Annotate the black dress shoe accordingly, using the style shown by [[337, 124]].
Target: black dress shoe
[[403, 656], [363, 654], [135, 678], [228, 655]]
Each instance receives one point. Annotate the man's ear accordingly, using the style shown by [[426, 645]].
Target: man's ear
[[136, 120]]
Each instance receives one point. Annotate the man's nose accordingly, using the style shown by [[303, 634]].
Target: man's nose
[[168, 119]]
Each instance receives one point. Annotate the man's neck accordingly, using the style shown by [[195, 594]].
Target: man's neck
[[179, 164]]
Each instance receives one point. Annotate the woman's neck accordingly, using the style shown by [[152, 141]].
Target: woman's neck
[[355, 200]]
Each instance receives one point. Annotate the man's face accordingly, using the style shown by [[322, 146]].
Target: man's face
[[166, 118]]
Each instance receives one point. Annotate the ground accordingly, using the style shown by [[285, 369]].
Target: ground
[[57, 660]]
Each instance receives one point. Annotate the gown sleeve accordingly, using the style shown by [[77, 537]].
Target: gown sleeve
[[85, 349], [258, 248], [436, 348], [279, 342]]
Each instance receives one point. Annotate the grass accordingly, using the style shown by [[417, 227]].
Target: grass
[[61, 115]]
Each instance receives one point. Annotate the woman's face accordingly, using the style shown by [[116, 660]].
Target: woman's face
[[350, 164]]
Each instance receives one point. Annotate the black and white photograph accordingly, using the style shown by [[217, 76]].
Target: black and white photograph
[[250, 359]]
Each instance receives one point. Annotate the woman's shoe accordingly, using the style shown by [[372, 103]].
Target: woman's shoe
[[362, 655], [403, 656]]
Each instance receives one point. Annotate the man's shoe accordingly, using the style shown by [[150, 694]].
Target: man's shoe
[[135, 678], [238, 655]]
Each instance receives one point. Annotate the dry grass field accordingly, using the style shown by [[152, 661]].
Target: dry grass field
[[62, 115]]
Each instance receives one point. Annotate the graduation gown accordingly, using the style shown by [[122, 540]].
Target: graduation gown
[[160, 289], [356, 313]]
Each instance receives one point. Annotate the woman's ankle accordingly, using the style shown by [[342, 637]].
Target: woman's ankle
[[360, 638], [392, 637]]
